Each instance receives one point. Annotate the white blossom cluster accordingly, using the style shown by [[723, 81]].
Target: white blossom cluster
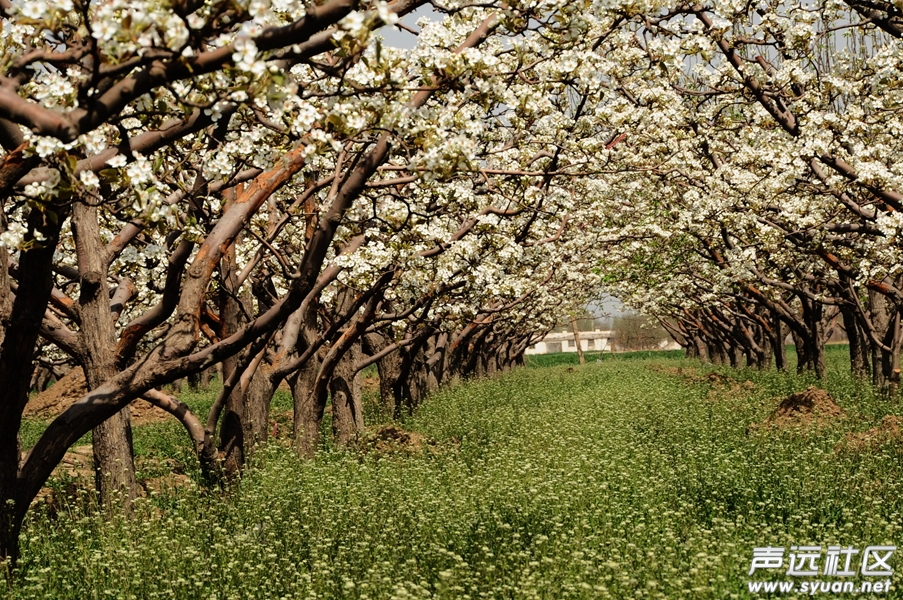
[[582, 146]]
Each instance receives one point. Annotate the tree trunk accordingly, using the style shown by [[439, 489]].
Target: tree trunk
[[258, 394], [345, 390], [114, 464], [310, 404], [21, 326], [232, 432], [577, 341], [766, 348], [205, 378], [716, 352], [859, 361], [389, 368], [691, 350], [889, 382], [780, 351], [817, 339], [878, 317], [802, 353], [735, 354]]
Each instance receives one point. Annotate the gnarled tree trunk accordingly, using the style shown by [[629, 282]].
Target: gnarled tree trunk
[[21, 326], [345, 392], [114, 463]]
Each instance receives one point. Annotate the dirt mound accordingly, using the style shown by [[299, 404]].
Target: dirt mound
[[812, 407], [688, 372], [144, 412], [62, 394], [720, 386], [164, 484], [58, 397], [727, 388], [716, 379], [391, 439], [890, 430]]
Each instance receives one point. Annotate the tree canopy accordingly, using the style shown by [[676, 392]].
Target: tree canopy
[[266, 185]]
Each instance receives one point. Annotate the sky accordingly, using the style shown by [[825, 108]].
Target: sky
[[399, 38]]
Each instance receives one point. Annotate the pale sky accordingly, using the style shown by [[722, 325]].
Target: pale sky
[[399, 38]]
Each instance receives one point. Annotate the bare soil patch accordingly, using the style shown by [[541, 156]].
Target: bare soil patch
[[164, 484], [77, 463], [813, 407], [889, 430], [721, 386], [58, 397], [62, 394], [391, 439], [75, 480], [75, 471], [686, 372], [144, 412]]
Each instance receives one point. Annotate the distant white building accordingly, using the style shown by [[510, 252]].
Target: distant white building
[[564, 342], [592, 341]]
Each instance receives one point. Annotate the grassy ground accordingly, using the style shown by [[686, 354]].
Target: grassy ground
[[620, 479]]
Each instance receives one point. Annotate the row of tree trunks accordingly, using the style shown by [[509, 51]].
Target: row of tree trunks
[[757, 331], [173, 328]]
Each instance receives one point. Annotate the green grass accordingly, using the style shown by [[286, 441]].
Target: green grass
[[571, 358], [619, 480]]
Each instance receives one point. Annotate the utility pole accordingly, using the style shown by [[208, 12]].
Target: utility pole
[[577, 340]]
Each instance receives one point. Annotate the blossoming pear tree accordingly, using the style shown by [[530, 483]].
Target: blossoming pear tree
[[267, 186], [223, 171]]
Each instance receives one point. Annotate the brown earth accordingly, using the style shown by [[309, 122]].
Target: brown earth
[[163, 484], [721, 386], [813, 407], [76, 471], [62, 394], [890, 430], [75, 482], [676, 371], [58, 396], [77, 463], [391, 439]]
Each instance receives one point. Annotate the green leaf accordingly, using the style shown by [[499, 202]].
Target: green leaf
[[109, 175]]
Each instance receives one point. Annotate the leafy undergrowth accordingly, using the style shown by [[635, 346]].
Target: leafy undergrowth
[[620, 479]]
